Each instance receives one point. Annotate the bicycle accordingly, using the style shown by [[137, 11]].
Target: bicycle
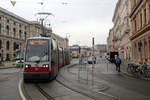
[[132, 67]]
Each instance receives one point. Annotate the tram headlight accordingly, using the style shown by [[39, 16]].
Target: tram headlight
[[27, 66], [45, 66]]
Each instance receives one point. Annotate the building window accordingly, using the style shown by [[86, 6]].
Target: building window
[[141, 19], [7, 57], [145, 16], [135, 24], [14, 32], [14, 55], [25, 27], [20, 25], [0, 44], [0, 28], [14, 23], [25, 35], [149, 12], [20, 34], [7, 20], [15, 46], [7, 45], [7, 30]]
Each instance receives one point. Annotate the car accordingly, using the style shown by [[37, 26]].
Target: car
[[19, 62], [91, 59]]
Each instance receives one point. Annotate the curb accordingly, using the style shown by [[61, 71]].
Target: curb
[[21, 90], [146, 79], [127, 74], [9, 67]]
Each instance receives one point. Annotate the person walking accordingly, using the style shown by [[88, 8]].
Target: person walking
[[117, 63]]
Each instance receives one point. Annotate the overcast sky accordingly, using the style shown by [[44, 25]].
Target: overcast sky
[[82, 19]]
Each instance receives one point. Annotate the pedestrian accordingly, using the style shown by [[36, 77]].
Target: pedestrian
[[117, 63]]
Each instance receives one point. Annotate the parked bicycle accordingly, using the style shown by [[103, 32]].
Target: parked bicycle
[[139, 70]]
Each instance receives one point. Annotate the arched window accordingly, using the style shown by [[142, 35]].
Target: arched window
[[7, 30], [20, 34], [0, 44], [7, 57], [15, 46], [25, 35], [14, 32], [7, 45]]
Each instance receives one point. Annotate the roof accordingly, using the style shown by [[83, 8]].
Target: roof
[[13, 15]]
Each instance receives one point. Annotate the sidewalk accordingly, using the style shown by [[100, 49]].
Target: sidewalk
[[123, 69], [7, 65], [69, 78]]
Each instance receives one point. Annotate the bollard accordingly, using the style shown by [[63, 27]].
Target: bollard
[[87, 77], [107, 66]]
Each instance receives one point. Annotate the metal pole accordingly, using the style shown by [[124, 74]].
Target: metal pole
[[93, 62], [87, 75], [42, 23], [107, 66], [79, 65]]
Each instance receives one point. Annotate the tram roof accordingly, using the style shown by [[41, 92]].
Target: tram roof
[[39, 38]]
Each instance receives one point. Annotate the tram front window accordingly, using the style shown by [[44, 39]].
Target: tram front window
[[37, 51]]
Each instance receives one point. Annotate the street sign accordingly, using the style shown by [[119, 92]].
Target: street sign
[[13, 3]]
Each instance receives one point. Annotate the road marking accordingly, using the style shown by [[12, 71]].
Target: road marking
[[20, 90], [109, 95]]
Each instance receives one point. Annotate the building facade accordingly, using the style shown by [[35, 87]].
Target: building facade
[[100, 49], [14, 31], [122, 30], [111, 40], [116, 28], [140, 22]]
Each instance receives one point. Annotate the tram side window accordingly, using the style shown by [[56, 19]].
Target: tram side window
[[54, 45], [51, 46]]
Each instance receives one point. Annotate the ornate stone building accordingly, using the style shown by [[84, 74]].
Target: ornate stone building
[[140, 19], [116, 28], [121, 29], [14, 31], [111, 40]]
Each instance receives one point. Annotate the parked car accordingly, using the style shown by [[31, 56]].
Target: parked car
[[91, 59]]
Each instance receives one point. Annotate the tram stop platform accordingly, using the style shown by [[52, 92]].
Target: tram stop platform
[[83, 83]]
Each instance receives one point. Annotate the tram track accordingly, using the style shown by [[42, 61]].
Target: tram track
[[44, 93]]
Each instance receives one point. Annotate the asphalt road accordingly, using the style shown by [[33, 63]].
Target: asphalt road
[[118, 85], [9, 79]]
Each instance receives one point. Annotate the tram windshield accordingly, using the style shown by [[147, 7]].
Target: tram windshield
[[37, 50]]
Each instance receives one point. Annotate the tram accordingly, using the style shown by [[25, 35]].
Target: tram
[[42, 59]]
